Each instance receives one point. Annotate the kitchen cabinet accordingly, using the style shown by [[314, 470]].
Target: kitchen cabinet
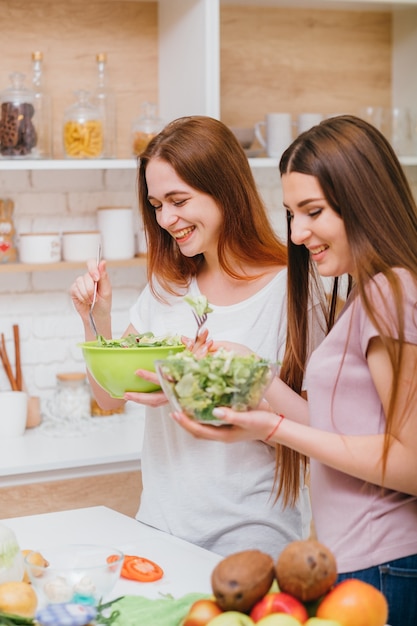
[[202, 45], [190, 41]]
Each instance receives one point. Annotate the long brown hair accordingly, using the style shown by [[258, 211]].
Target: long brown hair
[[363, 181], [207, 156]]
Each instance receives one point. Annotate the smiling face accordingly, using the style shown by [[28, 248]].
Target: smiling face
[[191, 217], [316, 225]]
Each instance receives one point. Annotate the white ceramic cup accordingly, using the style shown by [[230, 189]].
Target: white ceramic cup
[[117, 232], [305, 121], [278, 133], [80, 245], [39, 247], [13, 413]]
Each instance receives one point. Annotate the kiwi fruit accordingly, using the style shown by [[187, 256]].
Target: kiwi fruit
[[306, 569], [242, 579]]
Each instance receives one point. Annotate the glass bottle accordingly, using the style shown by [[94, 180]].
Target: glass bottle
[[146, 126], [43, 109], [18, 135], [105, 100], [83, 129]]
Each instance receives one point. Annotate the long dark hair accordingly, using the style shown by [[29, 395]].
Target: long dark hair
[[363, 181], [207, 156]]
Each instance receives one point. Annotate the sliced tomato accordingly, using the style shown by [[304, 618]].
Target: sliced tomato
[[138, 568]]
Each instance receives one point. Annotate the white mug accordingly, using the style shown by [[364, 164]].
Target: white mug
[[117, 232], [305, 121], [13, 413], [278, 131]]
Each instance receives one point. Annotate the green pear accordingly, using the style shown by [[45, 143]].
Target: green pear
[[320, 621], [232, 618]]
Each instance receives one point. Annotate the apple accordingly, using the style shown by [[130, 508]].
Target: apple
[[232, 618], [354, 602], [201, 612], [279, 619], [279, 602], [319, 621]]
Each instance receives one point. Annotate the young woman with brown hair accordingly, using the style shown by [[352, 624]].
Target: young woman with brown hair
[[351, 214], [207, 233]]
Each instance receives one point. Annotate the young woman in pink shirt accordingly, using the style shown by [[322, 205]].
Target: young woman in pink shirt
[[351, 218]]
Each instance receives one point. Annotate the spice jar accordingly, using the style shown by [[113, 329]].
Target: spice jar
[[83, 129], [72, 397], [18, 134], [145, 127]]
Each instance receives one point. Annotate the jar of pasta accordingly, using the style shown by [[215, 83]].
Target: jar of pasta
[[83, 129], [146, 126]]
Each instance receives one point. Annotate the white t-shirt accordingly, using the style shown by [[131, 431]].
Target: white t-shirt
[[219, 496]]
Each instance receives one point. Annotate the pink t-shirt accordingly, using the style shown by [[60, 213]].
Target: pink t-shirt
[[360, 523]]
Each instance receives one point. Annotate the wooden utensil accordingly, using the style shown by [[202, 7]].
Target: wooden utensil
[[6, 364], [18, 365]]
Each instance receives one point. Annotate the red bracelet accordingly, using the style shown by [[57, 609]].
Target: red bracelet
[[274, 430]]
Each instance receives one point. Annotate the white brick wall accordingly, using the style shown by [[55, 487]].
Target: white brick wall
[[39, 302]]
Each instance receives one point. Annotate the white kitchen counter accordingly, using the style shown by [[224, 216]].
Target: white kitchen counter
[[107, 445], [187, 567]]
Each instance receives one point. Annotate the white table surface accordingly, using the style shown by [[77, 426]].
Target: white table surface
[[109, 444], [187, 568]]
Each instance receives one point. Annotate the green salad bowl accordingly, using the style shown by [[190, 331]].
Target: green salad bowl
[[197, 386], [113, 368]]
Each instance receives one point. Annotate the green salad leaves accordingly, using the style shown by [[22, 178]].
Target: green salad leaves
[[221, 378], [139, 341], [199, 304]]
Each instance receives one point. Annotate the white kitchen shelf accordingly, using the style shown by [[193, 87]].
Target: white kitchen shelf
[[123, 164], [68, 164], [95, 164], [9, 268]]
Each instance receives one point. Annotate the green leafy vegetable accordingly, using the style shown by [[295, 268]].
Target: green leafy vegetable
[[166, 611], [139, 341], [11, 559], [9, 619], [221, 378], [199, 304]]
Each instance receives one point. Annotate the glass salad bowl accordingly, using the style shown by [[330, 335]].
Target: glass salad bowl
[[113, 363], [222, 378], [75, 573]]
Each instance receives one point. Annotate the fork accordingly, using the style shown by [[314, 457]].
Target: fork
[[201, 320], [92, 322]]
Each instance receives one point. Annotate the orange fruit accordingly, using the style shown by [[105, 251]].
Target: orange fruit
[[18, 598], [354, 603], [35, 558]]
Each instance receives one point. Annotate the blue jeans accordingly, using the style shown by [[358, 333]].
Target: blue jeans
[[398, 582]]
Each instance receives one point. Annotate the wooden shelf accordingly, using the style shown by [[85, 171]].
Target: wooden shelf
[[9, 268]]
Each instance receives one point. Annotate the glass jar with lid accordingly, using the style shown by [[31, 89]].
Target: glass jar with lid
[[146, 126], [72, 397], [18, 135], [83, 129]]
